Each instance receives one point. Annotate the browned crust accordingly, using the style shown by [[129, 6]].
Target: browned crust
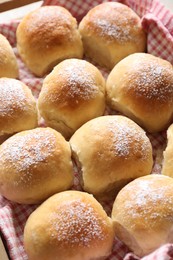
[[47, 26]]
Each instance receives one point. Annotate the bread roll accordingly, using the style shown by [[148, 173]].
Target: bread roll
[[8, 62], [70, 225], [72, 94], [167, 168], [142, 213], [110, 151], [110, 32], [141, 87], [47, 36], [34, 164], [17, 107]]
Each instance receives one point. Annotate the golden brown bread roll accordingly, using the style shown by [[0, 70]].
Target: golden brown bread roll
[[142, 213], [72, 94], [110, 151], [70, 225], [47, 36], [8, 62], [167, 168], [17, 107], [141, 87], [34, 165], [110, 32]]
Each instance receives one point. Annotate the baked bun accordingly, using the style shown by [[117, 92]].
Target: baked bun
[[70, 225], [167, 168], [8, 62], [47, 36], [34, 165], [141, 87], [17, 107], [142, 213], [110, 32], [110, 151], [72, 94]]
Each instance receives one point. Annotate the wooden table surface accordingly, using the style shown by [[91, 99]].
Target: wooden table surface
[[16, 13], [3, 254], [11, 4]]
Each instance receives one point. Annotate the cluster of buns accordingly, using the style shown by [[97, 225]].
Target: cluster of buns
[[109, 32], [107, 151]]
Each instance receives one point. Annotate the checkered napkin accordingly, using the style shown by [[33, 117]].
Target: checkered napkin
[[158, 22]]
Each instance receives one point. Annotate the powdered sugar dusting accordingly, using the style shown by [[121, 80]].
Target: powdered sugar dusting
[[114, 30], [152, 80], [80, 82], [22, 152], [128, 140], [12, 96], [77, 224], [58, 12], [147, 197], [115, 22]]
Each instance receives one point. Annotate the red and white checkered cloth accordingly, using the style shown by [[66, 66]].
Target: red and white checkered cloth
[[158, 22]]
